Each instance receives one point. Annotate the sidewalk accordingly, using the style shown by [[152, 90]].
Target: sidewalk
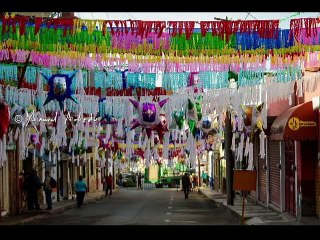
[[256, 214], [27, 215]]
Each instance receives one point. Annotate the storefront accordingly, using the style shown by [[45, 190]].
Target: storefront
[[298, 128], [316, 107]]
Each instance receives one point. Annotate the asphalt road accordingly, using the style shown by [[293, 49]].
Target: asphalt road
[[145, 207]]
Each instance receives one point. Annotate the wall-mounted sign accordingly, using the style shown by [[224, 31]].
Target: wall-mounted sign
[[295, 123], [244, 180], [11, 147]]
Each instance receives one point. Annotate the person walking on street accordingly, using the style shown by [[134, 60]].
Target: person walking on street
[[109, 185], [186, 185], [204, 178], [191, 182], [47, 187], [22, 190], [120, 179], [139, 180], [195, 181], [81, 188]]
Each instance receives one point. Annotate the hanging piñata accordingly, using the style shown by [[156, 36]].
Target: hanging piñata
[[194, 114], [5, 118], [60, 88], [179, 117], [148, 114]]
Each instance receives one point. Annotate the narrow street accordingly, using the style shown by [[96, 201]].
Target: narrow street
[[225, 103], [153, 207]]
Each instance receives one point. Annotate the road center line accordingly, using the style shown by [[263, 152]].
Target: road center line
[[184, 221]]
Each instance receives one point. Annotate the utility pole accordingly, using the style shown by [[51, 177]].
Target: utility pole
[[229, 158]]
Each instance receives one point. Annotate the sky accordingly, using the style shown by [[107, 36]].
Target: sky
[[198, 16]]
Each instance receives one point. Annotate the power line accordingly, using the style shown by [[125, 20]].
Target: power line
[[253, 16], [247, 16], [131, 15], [291, 16]]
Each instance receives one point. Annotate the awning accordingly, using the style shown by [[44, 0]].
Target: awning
[[297, 123]]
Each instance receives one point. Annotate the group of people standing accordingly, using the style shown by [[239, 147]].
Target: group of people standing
[[30, 185]]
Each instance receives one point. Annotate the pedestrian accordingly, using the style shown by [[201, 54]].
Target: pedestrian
[[22, 190], [104, 182], [120, 179], [195, 181], [109, 185], [186, 185], [204, 178], [81, 188], [61, 186], [139, 180], [191, 182], [32, 185], [48, 185]]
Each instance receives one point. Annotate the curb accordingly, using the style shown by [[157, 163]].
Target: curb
[[221, 205], [47, 213]]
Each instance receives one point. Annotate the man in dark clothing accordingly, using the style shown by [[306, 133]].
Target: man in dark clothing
[[139, 181], [186, 185], [32, 185], [120, 179], [47, 187]]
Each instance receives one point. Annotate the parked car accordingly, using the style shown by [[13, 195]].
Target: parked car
[[128, 180], [126, 176]]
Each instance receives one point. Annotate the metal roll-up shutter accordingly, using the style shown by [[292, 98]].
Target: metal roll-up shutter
[[262, 173], [253, 194], [318, 192], [1, 190], [274, 172]]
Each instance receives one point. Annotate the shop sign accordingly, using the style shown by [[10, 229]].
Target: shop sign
[[295, 123], [11, 147]]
